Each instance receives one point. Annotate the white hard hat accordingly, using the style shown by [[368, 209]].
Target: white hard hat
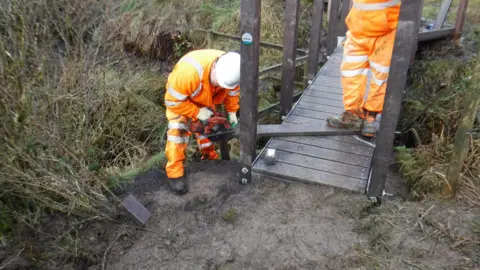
[[227, 70]]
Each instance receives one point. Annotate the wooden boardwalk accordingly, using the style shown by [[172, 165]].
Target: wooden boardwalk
[[341, 161]]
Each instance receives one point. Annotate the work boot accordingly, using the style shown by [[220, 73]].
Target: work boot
[[369, 128], [347, 120], [178, 185]]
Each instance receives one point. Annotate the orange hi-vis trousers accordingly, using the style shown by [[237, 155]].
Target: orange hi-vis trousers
[[177, 141], [359, 56]]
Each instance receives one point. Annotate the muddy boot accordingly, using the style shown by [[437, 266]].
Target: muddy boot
[[369, 128], [347, 120], [178, 185]]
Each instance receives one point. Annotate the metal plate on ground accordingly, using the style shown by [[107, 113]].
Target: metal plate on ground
[[136, 209]]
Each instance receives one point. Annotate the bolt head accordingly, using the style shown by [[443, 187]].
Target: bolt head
[[244, 170], [244, 181]]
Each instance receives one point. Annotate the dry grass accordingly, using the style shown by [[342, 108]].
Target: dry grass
[[72, 117], [433, 107]]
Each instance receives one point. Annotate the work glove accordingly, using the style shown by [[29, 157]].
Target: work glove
[[204, 114], [232, 119]]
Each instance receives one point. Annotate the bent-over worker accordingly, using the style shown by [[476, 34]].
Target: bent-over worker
[[199, 81], [371, 34]]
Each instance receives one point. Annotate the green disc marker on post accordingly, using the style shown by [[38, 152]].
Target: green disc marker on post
[[247, 39]]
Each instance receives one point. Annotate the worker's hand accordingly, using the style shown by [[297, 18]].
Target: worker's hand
[[204, 114], [232, 119]]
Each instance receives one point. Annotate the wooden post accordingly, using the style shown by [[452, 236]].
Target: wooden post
[[461, 13], [402, 49], [250, 53], [209, 39], [292, 10], [342, 26], [333, 7], [223, 144], [417, 26], [442, 14], [469, 113], [305, 77], [315, 35]]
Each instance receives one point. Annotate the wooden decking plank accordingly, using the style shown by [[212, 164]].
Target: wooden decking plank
[[337, 160], [322, 165], [289, 130], [320, 108], [321, 153], [326, 83], [326, 95], [322, 124], [322, 101], [351, 139], [297, 119], [326, 142], [326, 89], [296, 173], [311, 114]]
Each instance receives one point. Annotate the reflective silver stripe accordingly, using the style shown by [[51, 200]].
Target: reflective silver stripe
[[205, 145], [355, 58], [197, 91], [199, 69], [172, 103], [377, 81], [201, 137], [355, 72], [177, 139], [195, 64], [177, 126], [376, 6], [233, 93], [176, 94], [379, 67]]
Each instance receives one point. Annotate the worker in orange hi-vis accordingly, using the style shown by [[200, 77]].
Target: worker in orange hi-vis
[[200, 80], [371, 34]]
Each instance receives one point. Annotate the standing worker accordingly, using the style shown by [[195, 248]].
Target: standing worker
[[371, 34], [199, 81]]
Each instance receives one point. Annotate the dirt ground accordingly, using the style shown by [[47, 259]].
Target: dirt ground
[[269, 224]]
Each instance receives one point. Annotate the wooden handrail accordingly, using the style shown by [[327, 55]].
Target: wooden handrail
[[262, 43]]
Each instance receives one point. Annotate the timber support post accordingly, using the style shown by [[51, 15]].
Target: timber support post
[[315, 35], [460, 21], [250, 53], [469, 113], [209, 39], [402, 50], [442, 14], [333, 9], [292, 12], [342, 26]]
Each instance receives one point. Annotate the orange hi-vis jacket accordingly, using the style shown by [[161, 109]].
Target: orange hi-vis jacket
[[189, 88], [373, 18]]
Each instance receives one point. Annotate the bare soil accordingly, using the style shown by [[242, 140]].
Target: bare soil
[[221, 224]]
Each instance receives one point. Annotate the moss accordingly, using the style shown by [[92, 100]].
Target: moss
[[231, 215]]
